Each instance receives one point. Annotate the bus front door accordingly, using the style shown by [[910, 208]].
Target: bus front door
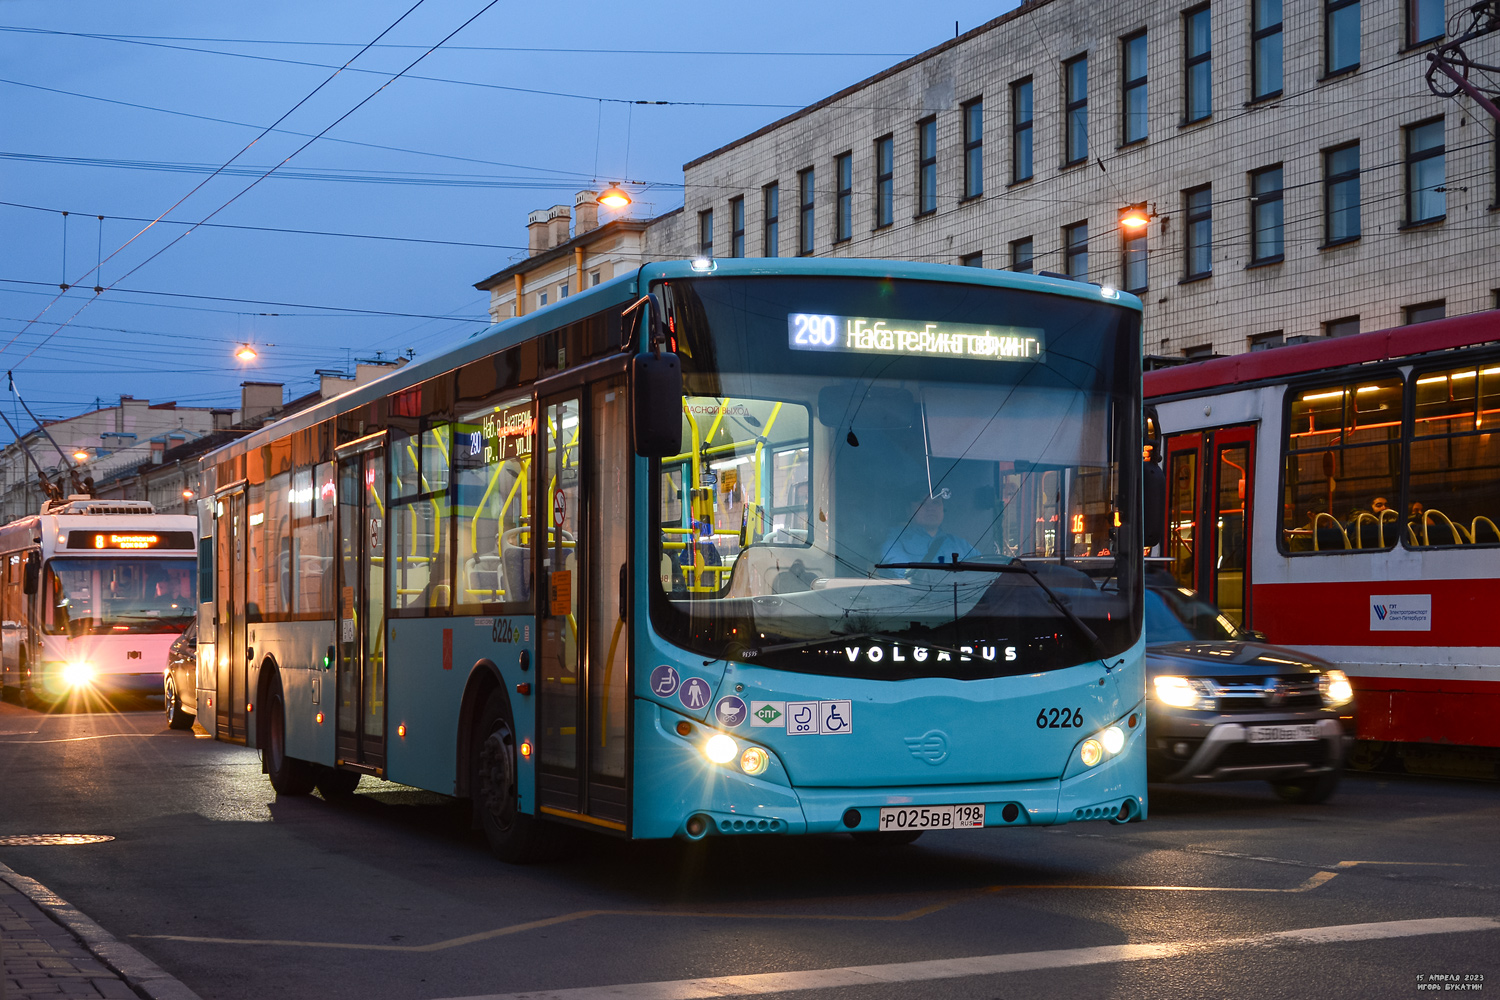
[[361, 621], [231, 650], [1210, 480], [581, 546]]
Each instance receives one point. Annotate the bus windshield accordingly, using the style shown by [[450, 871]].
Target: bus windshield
[[868, 465], [119, 596]]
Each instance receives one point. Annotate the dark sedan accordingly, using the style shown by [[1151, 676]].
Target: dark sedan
[[1223, 706]]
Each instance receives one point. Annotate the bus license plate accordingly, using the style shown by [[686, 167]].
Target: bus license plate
[[932, 818], [1283, 734]]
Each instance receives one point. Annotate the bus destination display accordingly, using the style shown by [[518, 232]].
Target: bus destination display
[[130, 540], [912, 338]]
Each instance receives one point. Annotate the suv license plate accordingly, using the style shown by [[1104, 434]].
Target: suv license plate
[[1283, 734], [932, 818]]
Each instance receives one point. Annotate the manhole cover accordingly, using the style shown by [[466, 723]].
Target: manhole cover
[[52, 839]]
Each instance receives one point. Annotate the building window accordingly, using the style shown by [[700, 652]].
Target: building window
[[1345, 326], [1426, 197], [1076, 95], [885, 184], [706, 233], [1133, 100], [737, 227], [1266, 341], [805, 212], [843, 171], [541, 298], [772, 242], [1199, 352], [1020, 256], [927, 166], [593, 279], [1076, 251], [1265, 49], [1020, 114], [1424, 312], [1340, 35], [1198, 65], [1133, 263], [974, 148], [1341, 194], [971, 260], [1199, 248], [1266, 218], [562, 291], [1424, 21]]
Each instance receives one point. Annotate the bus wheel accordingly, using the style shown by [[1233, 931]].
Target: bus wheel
[[335, 784], [1308, 791], [289, 776], [513, 836], [176, 717], [885, 838]]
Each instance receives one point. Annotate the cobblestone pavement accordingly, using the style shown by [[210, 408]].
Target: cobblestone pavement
[[42, 959]]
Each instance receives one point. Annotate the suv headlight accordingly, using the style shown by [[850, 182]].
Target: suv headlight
[[1335, 687], [1180, 692]]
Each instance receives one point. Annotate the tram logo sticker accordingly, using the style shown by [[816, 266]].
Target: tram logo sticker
[[730, 712], [1401, 613], [664, 681], [695, 693], [766, 714]]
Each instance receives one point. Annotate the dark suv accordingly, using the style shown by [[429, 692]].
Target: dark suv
[[1223, 706]]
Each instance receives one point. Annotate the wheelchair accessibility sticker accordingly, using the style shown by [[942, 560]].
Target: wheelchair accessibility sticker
[[818, 718]]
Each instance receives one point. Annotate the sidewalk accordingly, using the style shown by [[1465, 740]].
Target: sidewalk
[[50, 951]]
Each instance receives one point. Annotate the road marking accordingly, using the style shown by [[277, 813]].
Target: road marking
[[990, 965], [80, 739], [1317, 879]]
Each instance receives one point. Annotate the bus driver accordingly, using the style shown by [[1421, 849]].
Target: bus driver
[[921, 539]]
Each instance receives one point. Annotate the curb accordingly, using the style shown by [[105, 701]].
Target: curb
[[139, 972]]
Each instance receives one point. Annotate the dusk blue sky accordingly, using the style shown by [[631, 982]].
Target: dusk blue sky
[[504, 153]]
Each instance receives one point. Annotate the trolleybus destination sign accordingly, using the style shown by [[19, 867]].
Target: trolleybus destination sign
[[916, 338]]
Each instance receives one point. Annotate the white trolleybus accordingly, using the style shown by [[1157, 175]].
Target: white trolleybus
[[1343, 497], [93, 594], [780, 546]]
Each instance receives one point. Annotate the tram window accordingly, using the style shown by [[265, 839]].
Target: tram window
[[1342, 458], [492, 505], [1454, 478]]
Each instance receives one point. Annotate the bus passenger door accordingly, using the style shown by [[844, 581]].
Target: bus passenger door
[[582, 637], [361, 622], [231, 651]]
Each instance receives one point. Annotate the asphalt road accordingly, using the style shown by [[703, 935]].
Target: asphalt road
[[392, 896]]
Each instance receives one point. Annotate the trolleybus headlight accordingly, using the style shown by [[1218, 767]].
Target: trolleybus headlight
[[754, 760], [1113, 739], [1091, 752], [78, 674], [720, 749], [1335, 687], [1179, 692]]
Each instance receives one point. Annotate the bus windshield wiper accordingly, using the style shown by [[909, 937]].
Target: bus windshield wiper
[[965, 566]]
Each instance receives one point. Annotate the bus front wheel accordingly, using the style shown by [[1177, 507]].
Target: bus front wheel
[[289, 776], [513, 836]]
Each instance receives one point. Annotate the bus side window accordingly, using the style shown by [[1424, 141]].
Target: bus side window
[[205, 570]]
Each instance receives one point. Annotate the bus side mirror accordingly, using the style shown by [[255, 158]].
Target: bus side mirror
[[656, 404], [1154, 502], [33, 573]]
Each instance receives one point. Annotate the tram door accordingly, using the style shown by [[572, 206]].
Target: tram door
[[361, 665], [581, 545], [231, 647], [1210, 492]]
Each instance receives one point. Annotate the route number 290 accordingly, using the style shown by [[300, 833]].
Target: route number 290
[[1059, 718]]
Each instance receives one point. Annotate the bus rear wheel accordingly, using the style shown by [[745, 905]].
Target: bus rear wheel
[[289, 776], [177, 718], [513, 836]]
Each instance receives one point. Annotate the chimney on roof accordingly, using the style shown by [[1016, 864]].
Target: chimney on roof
[[586, 212], [536, 232], [559, 221], [258, 399]]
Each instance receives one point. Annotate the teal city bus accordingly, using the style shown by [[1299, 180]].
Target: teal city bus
[[713, 548]]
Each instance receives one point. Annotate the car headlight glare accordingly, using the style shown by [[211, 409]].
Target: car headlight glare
[[78, 674], [754, 760], [1091, 752], [1336, 688], [1179, 692], [1113, 739], [720, 749]]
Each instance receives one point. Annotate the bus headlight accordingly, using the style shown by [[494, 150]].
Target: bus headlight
[[1335, 687], [1113, 739], [1179, 692], [78, 674], [720, 749], [754, 761], [1091, 752]]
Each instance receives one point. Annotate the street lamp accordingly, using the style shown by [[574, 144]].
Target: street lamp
[[246, 353], [1134, 218], [80, 455], [613, 196], [187, 494]]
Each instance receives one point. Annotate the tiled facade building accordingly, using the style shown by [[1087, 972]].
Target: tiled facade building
[[1297, 176]]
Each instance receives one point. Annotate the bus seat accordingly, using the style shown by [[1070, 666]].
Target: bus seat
[[484, 579], [516, 559]]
